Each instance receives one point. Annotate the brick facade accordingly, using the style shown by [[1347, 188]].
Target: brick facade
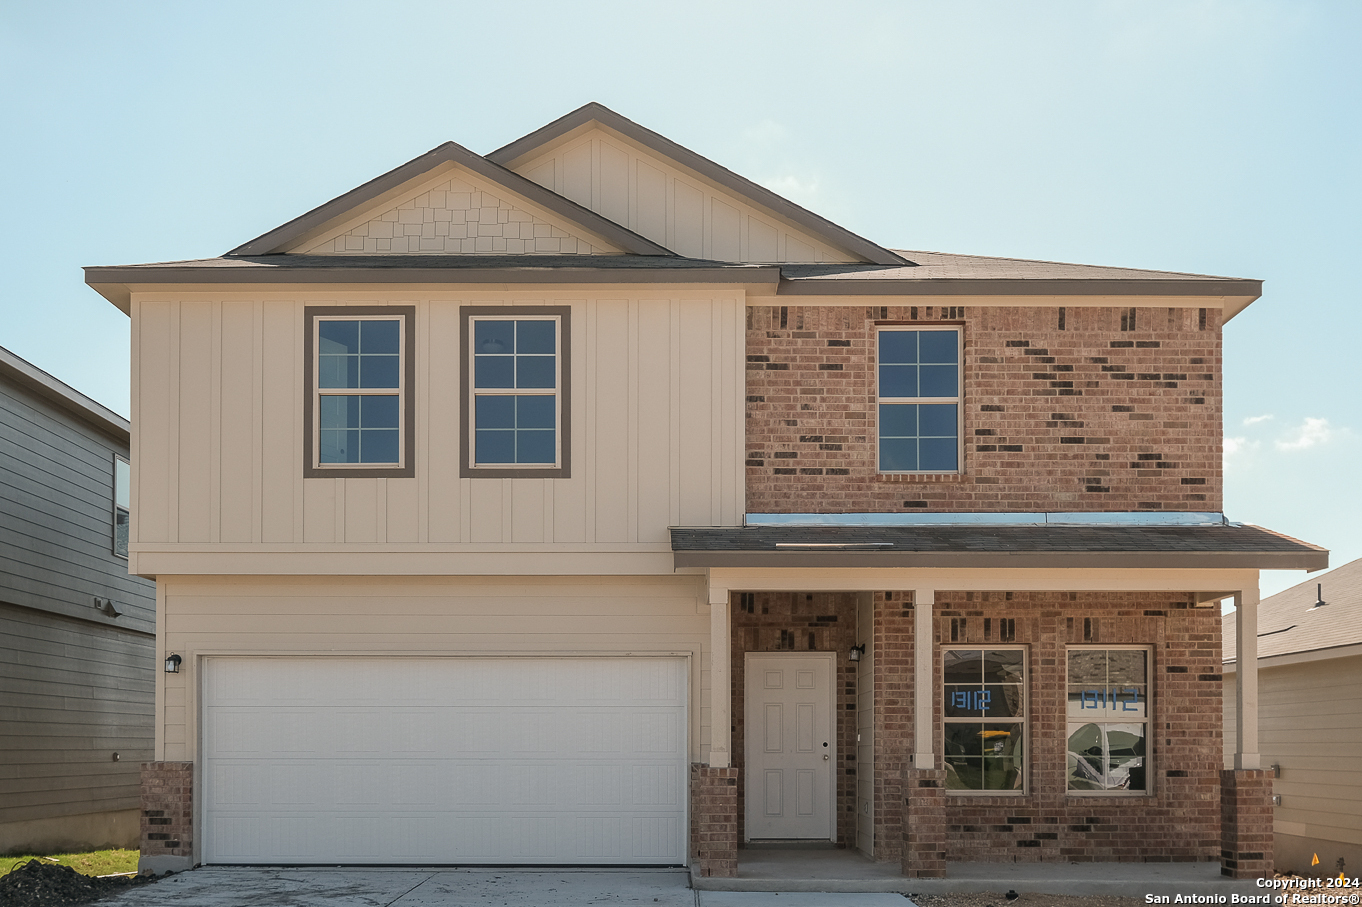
[[714, 820], [924, 824], [167, 815], [1246, 824], [797, 622], [1065, 409], [1178, 821]]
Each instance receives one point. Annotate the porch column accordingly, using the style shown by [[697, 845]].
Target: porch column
[[1246, 679], [924, 756], [720, 686]]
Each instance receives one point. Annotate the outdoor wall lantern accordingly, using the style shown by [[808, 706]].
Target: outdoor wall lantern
[[172, 663], [856, 652]]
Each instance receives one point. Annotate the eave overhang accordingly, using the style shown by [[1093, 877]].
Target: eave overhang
[[1232, 546]]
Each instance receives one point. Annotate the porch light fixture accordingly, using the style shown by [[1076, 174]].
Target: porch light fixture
[[856, 652], [173, 663]]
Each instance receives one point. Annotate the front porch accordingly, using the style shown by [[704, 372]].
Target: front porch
[[902, 816], [829, 869]]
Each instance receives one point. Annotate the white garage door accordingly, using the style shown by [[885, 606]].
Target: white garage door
[[445, 760]]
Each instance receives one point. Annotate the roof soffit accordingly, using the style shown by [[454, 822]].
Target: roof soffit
[[527, 152], [411, 179]]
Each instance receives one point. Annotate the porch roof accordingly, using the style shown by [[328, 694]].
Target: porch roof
[[1231, 545]]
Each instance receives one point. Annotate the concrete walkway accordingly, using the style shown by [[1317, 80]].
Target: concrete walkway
[[795, 870], [369, 887]]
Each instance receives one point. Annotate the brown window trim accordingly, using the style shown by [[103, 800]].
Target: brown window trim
[[354, 471], [466, 468]]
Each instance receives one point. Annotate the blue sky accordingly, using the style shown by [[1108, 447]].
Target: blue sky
[[1209, 137]]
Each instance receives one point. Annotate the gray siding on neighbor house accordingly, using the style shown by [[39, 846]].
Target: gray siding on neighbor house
[[76, 685]]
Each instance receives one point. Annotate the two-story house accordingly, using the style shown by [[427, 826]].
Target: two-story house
[[77, 633], [585, 502]]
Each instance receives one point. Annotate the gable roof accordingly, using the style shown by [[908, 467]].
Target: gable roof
[[281, 238], [22, 373], [760, 196], [1290, 624]]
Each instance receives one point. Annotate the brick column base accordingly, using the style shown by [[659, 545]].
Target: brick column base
[[714, 820], [1246, 823], [167, 817], [924, 823]]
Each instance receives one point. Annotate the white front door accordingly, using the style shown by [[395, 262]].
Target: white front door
[[789, 745]]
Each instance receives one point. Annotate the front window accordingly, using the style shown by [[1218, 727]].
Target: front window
[[360, 375], [516, 399], [985, 719], [918, 404], [1108, 712], [122, 508]]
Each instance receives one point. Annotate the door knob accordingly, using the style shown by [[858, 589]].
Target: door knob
[[825, 757]]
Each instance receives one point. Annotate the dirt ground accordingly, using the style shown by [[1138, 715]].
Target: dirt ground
[[999, 899], [39, 884]]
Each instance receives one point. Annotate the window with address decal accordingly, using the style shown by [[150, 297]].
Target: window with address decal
[[985, 719], [1108, 717]]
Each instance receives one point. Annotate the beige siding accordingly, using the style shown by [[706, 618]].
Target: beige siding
[[455, 214], [656, 409], [428, 616], [1308, 724], [643, 191]]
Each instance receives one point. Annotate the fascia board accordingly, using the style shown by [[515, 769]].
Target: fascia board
[[759, 196], [1305, 560], [40, 383], [114, 281], [1237, 290], [314, 221]]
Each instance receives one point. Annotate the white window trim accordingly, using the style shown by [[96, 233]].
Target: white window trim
[[1024, 721], [318, 392], [1147, 721], [116, 508], [556, 392], [958, 400]]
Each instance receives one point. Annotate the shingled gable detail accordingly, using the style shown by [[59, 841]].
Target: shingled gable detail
[[532, 156], [401, 184]]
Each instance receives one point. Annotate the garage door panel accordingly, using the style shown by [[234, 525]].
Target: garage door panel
[[469, 760]]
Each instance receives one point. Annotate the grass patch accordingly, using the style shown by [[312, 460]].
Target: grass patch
[[94, 863]]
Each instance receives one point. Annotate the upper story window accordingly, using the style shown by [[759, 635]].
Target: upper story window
[[1108, 712], [359, 396], [984, 709], [515, 392], [918, 397], [122, 505]]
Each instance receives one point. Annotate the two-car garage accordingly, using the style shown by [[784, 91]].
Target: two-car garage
[[475, 760]]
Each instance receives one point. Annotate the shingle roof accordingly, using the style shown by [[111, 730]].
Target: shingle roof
[[1288, 622], [1230, 545], [940, 272]]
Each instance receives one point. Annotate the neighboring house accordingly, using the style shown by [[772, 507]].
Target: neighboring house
[[1310, 718], [588, 503], [77, 633]]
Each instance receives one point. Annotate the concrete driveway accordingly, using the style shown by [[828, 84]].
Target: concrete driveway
[[343, 887]]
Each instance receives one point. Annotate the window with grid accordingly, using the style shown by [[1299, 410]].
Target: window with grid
[[516, 400], [1108, 715], [918, 399], [359, 392], [984, 709]]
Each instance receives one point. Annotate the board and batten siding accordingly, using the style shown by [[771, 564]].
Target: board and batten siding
[[429, 616], [674, 207], [76, 685], [656, 429], [1308, 724]]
